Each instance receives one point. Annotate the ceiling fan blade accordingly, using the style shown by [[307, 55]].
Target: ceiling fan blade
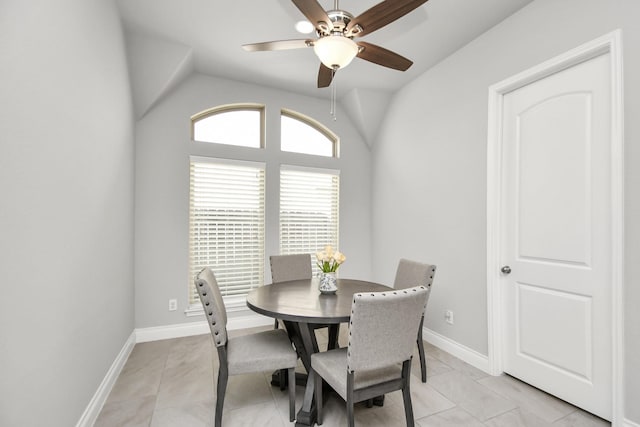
[[325, 76], [312, 10], [382, 14], [278, 45], [381, 56]]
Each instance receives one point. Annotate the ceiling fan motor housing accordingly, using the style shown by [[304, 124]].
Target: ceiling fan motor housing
[[339, 21]]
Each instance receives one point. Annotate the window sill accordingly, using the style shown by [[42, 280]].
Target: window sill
[[232, 305]]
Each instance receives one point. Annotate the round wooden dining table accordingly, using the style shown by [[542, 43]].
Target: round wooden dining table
[[301, 307]]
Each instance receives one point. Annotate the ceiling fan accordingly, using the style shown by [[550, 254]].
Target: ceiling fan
[[336, 30]]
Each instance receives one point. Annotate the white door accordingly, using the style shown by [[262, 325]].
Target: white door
[[556, 234]]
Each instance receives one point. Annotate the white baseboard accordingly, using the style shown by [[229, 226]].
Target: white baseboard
[[460, 351], [248, 320], [629, 423], [92, 411], [180, 330]]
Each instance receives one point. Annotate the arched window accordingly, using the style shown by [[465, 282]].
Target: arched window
[[236, 124], [228, 195], [302, 134]]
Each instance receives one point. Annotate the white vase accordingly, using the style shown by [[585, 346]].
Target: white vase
[[328, 283]]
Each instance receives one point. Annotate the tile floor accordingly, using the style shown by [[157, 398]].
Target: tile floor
[[170, 383]]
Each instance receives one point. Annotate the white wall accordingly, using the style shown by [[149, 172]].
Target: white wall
[[66, 206], [163, 147], [429, 163]]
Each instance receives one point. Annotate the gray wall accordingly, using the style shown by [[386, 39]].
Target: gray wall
[[429, 163], [66, 206], [162, 187]]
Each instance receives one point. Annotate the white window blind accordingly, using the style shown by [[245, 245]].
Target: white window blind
[[309, 210], [226, 224]]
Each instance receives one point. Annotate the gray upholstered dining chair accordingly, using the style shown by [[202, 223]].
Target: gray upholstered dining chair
[[290, 267], [259, 352], [409, 274], [377, 360], [296, 267]]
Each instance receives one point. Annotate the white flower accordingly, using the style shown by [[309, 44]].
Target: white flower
[[329, 260], [329, 251]]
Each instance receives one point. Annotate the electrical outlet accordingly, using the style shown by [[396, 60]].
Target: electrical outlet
[[448, 317], [173, 304]]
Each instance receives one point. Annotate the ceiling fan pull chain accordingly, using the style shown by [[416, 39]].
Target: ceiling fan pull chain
[[333, 94]]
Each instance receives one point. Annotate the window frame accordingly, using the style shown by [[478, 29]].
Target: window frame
[[315, 124], [271, 160], [228, 108]]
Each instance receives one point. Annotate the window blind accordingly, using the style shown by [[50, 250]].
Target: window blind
[[226, 224], [309, 210]]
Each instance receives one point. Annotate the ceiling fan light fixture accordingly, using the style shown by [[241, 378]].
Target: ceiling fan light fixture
[[335, 50]]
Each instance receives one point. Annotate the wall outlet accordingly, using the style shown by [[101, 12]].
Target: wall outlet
[[448, 317], [173, 304]]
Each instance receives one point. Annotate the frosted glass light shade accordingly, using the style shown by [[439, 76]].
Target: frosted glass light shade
[[335, 51]]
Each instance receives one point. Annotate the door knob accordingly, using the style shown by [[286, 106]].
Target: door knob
[[506, 269]]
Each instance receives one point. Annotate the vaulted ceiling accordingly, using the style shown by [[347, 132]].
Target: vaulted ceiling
[[168, 40]]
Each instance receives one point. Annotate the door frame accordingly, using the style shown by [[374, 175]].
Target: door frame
[[610, 43]]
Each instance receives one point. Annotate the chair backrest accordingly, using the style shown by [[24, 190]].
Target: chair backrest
[[213, 305], [384, 326], [290, 267], [412, 273]]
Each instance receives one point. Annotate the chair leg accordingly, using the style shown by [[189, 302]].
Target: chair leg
[[275, 324], [423, 361], [318, 389], [334, 333], [292, 394], [406, 393], [223, 376], [350, 412], [283, 379]]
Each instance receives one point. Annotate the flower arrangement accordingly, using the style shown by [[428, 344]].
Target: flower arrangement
[[329, 260]]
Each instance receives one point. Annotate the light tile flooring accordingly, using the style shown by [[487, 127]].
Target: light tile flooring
[[170, 383]]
